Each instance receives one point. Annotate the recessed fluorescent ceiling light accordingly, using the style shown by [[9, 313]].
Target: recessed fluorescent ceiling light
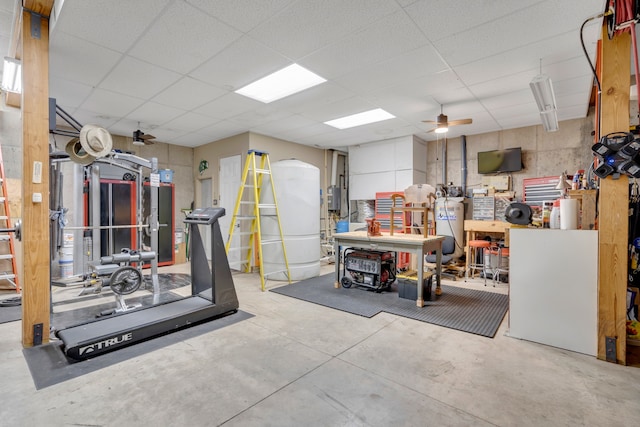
[[289, 80], [359, 119]]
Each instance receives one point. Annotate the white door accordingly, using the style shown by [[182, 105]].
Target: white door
[[206, 197], [230, 180]]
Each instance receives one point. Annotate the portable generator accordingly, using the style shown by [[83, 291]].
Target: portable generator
[[371, 269]]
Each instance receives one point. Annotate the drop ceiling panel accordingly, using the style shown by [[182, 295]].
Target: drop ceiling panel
[[290, 122], [576, 85], [389, 37], [440, 14], [422, 87], [190, 122], [307, 131], [552, 19], [188, 94], [417, 63], [137, 78], [256, 117], [68, 60], [515, 110], [522, 96], [175, 40], [228, 105], [568, 69], [241, 63], [452, 96], [241, 14], [551, 51], [569, 100], [308, 25], [69, 94], [504, 85], [115, 24], [222, 129], [85, 117], [531, 119], [110, 104], [572, 112], [154, 114]]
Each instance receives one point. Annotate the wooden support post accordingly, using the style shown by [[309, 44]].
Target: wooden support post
[[614, 201], [35, 179]]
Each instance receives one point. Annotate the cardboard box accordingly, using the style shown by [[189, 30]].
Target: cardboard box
[[181, 253]]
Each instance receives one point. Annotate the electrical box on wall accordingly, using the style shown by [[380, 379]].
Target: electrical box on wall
[[333, 198]]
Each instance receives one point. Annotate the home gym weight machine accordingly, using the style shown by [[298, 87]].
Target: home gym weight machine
[[115, 270], [213, 295]]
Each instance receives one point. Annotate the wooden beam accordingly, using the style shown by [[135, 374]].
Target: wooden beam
[[614, 200], [35, 185], [41, 7]]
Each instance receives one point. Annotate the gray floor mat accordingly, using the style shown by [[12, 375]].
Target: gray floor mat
[[468, 310]]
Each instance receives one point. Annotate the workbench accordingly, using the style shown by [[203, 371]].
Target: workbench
[[412, 243], [472, 227]]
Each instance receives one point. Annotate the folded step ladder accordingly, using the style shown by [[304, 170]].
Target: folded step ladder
[[256, 210]]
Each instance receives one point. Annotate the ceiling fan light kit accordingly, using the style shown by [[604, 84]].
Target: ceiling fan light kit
[[141, 138], [443, 123], [542, 90]]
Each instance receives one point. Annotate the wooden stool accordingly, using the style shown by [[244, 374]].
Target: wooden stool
[[475, 251]]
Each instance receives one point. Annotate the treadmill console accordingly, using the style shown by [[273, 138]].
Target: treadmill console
[[204, 215]]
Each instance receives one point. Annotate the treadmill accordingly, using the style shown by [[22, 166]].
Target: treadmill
[[213, 295]]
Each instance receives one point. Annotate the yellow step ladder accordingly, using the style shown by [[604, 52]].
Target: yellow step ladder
[[8, 265], [255, 173]]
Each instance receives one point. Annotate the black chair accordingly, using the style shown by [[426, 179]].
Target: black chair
[[448, 248]]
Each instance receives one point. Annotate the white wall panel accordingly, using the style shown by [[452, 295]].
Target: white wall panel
[[365, 186], [372, 157], [404, 179], [403, 152]]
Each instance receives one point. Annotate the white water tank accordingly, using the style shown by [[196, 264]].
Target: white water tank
[[297, 187], [449, 213]]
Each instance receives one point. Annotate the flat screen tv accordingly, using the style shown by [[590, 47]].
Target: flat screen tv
[[508, 160]]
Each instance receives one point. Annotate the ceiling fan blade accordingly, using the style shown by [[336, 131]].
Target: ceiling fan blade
[[432, 130], [460, 122], [148, 142], [146, 136], [429, 121]]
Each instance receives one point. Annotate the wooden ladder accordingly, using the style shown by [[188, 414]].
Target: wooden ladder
[[256, 173], [8, 265]]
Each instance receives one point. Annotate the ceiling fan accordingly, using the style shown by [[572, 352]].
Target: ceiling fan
[[141, 138], [443, 123]]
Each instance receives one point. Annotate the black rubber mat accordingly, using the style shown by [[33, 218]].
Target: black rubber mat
[[468, 310], [48, 364], [10, 314]]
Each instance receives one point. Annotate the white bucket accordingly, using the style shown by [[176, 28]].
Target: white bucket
[[67, 240], [66, 262]]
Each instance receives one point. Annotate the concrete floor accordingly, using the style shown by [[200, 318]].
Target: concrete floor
[[296, 363]]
